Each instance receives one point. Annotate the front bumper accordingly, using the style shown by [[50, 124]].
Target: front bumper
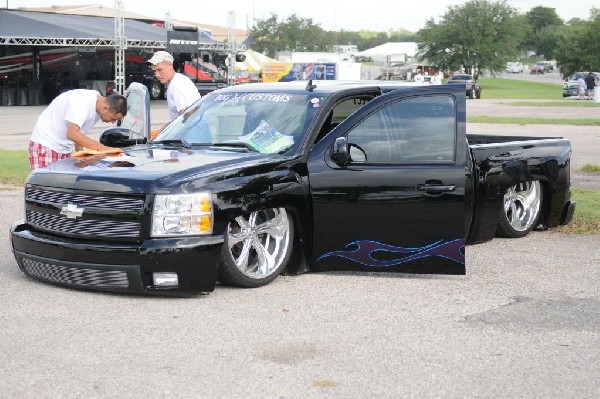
[[118, 267]]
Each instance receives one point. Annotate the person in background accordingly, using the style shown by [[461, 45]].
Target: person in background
[[419, 77], [436, 79], [63, 125], [581, 86], [181, 91], [590, 83]]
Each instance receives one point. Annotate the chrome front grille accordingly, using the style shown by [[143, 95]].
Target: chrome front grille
[[90, 227], [80, 277], [101, 216]]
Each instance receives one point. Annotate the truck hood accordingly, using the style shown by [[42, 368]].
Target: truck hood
[[147, 169]]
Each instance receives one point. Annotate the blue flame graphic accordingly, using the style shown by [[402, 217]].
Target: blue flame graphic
[[366, 251]]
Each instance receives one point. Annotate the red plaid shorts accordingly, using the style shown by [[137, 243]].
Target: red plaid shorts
[[40, 156]]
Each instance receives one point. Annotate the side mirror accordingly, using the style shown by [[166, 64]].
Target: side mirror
[[339, 152], [119, 137]]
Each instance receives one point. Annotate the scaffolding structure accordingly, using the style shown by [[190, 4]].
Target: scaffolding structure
[[120, 47], [232, 48]]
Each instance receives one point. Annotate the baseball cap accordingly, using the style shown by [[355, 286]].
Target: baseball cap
[[159, 57]]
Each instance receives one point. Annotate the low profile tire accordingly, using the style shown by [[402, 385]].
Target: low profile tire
[[257, 248], [521, 210], [155, 90]]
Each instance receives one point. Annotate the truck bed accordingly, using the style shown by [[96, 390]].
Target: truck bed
[[474, 139]]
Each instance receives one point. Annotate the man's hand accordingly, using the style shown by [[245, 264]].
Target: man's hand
[[104, 148]]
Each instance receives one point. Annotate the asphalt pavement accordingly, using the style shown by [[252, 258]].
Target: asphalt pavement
[[523, 322]]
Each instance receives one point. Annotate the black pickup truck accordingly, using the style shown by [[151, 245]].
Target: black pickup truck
[[261, 179]]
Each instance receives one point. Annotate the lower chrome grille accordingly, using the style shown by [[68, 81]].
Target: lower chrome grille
[[81, 277], [91, 228]]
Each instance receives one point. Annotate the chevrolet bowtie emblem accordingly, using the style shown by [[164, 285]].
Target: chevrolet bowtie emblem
[[71, 211]]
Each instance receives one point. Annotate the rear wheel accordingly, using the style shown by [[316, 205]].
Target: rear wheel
[[471, 94], [155, 90], [478, 94], [257, 248], [521, 210]]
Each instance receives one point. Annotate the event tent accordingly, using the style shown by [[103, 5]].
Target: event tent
[[381, 53], [253, 62], [49, 29]]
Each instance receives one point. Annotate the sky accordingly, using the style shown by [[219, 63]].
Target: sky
[[375, 15]]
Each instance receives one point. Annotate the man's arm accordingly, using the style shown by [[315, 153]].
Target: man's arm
[[82, 141]]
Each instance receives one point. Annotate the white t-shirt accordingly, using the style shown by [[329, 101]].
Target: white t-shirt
[[419, 78], [181, 93], [73, 106]]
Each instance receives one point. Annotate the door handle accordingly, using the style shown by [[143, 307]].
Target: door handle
[[435, 188]]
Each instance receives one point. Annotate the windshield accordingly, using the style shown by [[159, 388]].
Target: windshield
[[263, 122]]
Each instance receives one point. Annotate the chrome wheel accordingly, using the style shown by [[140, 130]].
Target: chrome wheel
[[155, 90], [257, 248], [522, 206]]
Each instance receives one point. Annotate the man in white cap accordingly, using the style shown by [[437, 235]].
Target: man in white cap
[[181, 91]]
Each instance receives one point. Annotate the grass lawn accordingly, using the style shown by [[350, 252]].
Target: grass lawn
[[587, 213], [532, 121], [499, 88], [14, 168], [569, 103]]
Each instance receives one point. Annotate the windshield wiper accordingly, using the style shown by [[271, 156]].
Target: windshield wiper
[[235, 144], [176, 143]]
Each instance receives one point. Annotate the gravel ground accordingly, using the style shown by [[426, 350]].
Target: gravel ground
[[523, 322]]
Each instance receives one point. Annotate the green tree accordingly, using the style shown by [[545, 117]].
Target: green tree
[[478, 35], [347, 37], [270, 36], [403, 35], [549, 39], [540, 19], [579, 49]]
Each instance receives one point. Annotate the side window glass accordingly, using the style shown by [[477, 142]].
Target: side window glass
[[340, 113], [421, 129]]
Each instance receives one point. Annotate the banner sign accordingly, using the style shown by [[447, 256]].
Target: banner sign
[[182, 41], [287, 71]]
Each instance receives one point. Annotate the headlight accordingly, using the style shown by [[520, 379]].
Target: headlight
[[182, 215]]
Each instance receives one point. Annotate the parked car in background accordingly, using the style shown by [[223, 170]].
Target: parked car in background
[[537, 69], [472, 87], [541, 67], [570, 86], [514, 67]]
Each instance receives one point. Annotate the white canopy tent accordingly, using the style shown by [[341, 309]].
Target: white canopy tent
[[382, 53]]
